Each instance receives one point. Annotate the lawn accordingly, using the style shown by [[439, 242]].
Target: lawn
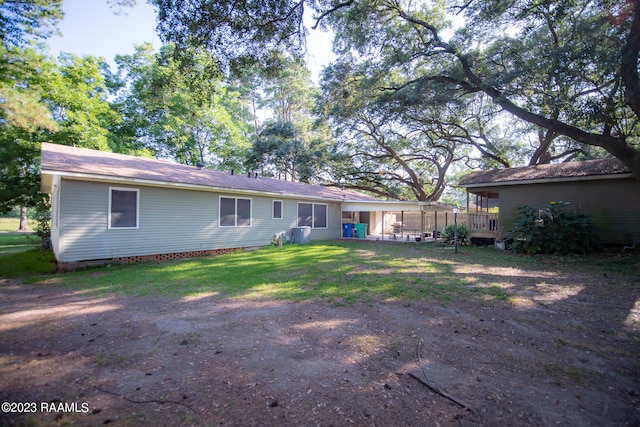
[[12, 224], [338, 271], [21, 255]]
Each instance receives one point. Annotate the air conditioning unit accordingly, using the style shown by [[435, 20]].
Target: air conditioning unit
[[301, 235]]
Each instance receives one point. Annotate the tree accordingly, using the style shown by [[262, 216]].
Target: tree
[[182, 109], [228, 27], [277, 150], [27, 77], [22, 116], [390, 146], [76, 93], [23, 119], [19, 169], [586, 52], [290, 145], [24, 20]]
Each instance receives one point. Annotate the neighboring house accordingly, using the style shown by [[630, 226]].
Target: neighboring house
[[603, 189], [109, 207]]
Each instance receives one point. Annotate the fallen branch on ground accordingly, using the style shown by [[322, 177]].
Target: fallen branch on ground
[[427, 382], [159, 401]]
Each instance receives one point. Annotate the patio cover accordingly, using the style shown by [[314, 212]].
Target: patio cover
[[394, 206]]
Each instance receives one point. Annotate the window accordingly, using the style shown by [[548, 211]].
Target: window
[[319, 216], [235, 212], [312, 215], [123, 208], [277, 209]]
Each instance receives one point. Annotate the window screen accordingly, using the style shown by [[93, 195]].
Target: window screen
[[243, 212], [123, 210], [227, 212], [277, 209], [235, 212], [305, 214], [312, 215], [319, 216]]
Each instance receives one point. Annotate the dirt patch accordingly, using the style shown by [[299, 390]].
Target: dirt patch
[[564, 350]]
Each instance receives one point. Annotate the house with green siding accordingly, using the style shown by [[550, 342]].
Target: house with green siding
[[604, 189], [109, 207]]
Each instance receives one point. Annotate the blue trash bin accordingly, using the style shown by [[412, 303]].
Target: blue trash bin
[[347, 230]]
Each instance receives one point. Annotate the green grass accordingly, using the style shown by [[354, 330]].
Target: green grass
[[338, 271], [12, 224], [15, 243], [21, 255]]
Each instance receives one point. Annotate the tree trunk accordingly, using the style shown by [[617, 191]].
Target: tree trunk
[[23, 219]]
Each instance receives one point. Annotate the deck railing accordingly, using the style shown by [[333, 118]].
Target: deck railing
[[484, 222]]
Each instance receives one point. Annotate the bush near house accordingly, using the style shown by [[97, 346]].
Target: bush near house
[[553, 230], [449, 232]]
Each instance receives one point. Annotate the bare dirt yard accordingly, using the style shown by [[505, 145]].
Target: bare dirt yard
[[563, 350]]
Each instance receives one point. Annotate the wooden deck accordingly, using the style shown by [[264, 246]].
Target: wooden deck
[[486, 225]]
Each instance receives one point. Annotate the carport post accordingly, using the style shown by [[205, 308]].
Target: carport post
[[455, 230], [422, 238]]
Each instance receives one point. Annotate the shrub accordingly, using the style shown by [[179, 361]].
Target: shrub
[[554, 230], [449, 231], [43, 216]]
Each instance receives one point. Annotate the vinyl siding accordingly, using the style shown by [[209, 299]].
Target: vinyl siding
[[613, 205], [170, 221]]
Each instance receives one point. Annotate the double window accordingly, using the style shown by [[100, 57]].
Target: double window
[[235, 212], [123, 207], [312, 215]]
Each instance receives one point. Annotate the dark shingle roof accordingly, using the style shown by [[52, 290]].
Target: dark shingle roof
[[84, 162], [550, 172]]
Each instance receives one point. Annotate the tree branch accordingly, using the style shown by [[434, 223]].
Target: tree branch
[[624, 151], [330, 11]]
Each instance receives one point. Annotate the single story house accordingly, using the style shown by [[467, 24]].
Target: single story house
[[604, 189], [109, 207]]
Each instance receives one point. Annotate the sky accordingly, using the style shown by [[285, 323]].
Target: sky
[[90, 27]]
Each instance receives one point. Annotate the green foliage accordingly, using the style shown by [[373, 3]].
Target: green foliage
[[43, 217], [21, 21], [182, 108], [449, 231], [227, 30], [76, 93], [544, 64], [290, 145], [19, 169], [554, 230], [72, 93]]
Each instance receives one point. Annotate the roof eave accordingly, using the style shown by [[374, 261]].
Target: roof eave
[[393, 205], [547, 180], [168, 184]]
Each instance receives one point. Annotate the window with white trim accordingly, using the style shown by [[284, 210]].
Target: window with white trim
[[235, 212], [277, 209], [123, 207], [312, 215]]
